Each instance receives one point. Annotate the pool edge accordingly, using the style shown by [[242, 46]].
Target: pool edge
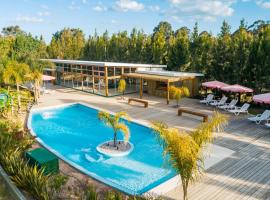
[[149, 191]]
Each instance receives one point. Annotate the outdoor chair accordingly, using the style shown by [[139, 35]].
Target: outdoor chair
[[208, 99], [237, 110], [44, 90], [221, 102], [261, 117], [268, 123], [228, 106]]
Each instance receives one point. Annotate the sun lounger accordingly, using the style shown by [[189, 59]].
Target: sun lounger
[[221, 102], [237, 110], [268, 123], [261, 117], [228, 106], [208, 99]]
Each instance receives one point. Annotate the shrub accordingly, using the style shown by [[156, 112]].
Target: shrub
[[56, 183], [113, 196], [31, 179], [28, 178], [91, 193]]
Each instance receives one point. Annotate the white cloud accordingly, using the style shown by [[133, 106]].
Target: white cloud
[[100, 8], [155, 8], [73, 6], [84, 1], [46, 13], [207, 10], [28, 19], [128, 5], [264, 4]]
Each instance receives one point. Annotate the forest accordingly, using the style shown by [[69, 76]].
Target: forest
[[242, 56]]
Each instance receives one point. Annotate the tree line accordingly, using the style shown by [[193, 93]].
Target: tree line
[[242, 56]]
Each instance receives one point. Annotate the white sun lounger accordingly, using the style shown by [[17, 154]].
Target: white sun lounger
[[261, 117], [237, 110], [268, 123], [221, 102], [208, 99], [228, 106]]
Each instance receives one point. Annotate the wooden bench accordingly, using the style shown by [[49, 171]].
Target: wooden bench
[[139, 101], [182, 110]]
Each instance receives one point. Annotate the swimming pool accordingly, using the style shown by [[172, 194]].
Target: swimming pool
[[73, 132]]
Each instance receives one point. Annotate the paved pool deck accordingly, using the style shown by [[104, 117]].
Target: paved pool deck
[[239, 163]]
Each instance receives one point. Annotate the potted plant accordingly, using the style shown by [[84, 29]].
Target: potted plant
[[122, 87]]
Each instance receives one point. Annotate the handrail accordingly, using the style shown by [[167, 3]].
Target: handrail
[[15, 192]]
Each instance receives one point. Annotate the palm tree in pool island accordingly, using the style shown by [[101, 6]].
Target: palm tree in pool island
[[114, 122]]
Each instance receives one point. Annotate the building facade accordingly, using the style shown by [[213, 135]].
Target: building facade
[[102, 78]]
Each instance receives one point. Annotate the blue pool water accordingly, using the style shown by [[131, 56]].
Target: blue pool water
[[73, 133]]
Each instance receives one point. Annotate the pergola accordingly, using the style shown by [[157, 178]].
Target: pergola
[[163, 76]]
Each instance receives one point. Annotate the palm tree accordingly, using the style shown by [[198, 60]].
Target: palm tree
[[113, 122], [15, 73], [35, 74], [185, 151]]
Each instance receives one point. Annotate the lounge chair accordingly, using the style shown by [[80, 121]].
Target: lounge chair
[[44, 90], [221, 102], [261, 117], [208, 99], [237, 110], [228, 106], [268, 123]]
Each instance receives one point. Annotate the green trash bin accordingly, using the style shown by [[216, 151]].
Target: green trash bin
[[43, 159]]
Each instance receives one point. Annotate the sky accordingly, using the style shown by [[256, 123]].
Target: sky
[[45, 17]]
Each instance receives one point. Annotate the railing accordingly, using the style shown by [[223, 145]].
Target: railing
[[13, 190]]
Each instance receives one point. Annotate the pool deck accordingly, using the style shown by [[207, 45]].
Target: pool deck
[[245, 174]]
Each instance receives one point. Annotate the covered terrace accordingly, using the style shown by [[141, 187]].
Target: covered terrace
[[166, 78]]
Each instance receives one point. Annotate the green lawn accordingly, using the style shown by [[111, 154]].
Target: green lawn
[[4, 193]]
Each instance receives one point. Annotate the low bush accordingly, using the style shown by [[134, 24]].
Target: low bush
[[29, 178], [91, 193], [56, 183]]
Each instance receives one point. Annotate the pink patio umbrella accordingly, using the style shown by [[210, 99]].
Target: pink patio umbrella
[[47, 78], [262, 98], [236, 89], [214, 84]]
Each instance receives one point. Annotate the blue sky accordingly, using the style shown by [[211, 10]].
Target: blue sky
[[48, 16]]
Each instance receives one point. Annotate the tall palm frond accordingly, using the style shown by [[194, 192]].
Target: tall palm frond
[[120, 115], [124, 129], [184, 150], [205, 132], [113, 122], [106, 118]]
